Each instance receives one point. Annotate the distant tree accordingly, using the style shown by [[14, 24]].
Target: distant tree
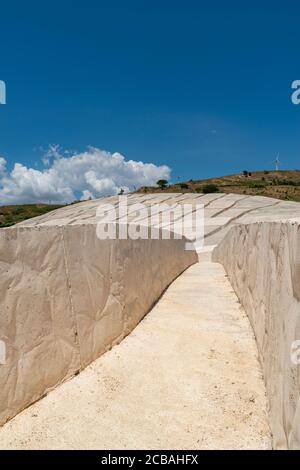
[[184, 186], [210, 188], [245, 173], [121, 192], [162, 184], [249, 173]]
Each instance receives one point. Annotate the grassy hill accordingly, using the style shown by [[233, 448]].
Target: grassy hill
[[278, 184], [10, 215]]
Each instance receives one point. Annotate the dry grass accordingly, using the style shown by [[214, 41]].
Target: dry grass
[[277, 184]]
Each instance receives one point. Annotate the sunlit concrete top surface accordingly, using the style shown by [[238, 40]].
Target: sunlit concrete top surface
[[221, 211]]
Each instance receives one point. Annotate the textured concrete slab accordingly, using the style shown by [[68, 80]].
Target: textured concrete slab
[[187, 377], [68, 296], [232, 208], [263, 264], [102, 296]]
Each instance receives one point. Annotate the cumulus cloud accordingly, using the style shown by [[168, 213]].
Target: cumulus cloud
[[65, 177], [2, 165]]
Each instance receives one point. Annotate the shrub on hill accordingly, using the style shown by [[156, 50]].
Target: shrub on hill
[[208, 188], [257, 184]]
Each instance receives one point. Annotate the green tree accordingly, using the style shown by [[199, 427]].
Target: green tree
[[210, 188], [162, 184]]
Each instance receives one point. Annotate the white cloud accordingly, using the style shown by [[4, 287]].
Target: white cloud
[[64, 178], [2, 165]]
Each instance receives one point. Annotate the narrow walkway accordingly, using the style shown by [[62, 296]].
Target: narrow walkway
[[186, 378]]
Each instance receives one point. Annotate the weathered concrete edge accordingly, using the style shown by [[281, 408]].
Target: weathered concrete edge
[[61, 308], [262, 261]]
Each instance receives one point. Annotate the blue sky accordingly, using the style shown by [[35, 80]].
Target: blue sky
[[202, 87]]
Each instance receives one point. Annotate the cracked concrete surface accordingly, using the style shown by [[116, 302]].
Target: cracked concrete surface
[[187, 400], [263, 264], [187, 377]]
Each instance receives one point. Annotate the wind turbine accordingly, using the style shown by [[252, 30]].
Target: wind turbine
[[277, 163]]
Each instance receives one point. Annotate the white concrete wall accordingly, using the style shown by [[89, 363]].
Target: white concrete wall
[[67, 297], [263, 264]]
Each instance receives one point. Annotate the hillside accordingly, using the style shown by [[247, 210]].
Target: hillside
[[278, 184], [10, 215]]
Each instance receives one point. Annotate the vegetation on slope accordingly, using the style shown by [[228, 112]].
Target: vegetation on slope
[[277, 184], [10, 215]]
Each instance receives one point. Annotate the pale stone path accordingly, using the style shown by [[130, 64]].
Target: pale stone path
[[186, 378]]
